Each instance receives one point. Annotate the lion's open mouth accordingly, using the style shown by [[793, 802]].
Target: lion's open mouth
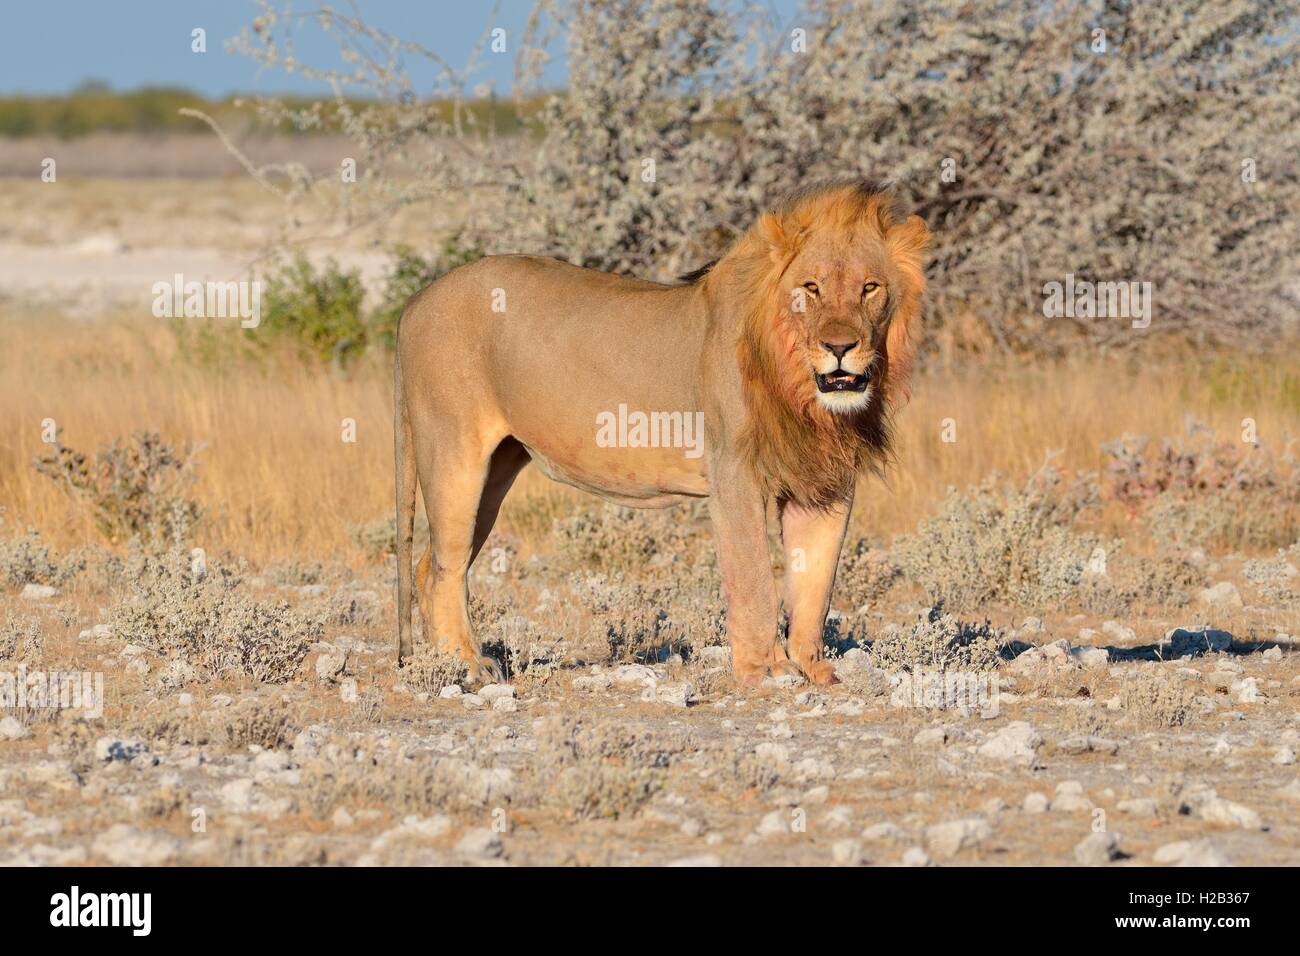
[[841, 381]]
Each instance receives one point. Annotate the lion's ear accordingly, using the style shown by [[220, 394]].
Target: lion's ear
[[906, 241], [909, 237], [772, 233]]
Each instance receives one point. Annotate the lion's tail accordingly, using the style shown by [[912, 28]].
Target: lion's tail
[[404, 456]]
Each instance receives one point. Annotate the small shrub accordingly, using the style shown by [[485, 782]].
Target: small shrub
[[605, 769], [593, 791], [258, 723], [993, 544], [643, 621], [1154, 699], [319, 311], [1199, 491], [865, 682], [1277, 579], [1162, 580], [429, 670], [938, 642], [402, 783], [133, 488], [20, 638], [293, 573], [208, 623], [866, 574], [28, 560], [613, 538]]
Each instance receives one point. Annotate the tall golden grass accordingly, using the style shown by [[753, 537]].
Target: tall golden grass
[[278, 480]]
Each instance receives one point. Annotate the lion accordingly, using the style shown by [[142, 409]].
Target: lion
[[792, 350]]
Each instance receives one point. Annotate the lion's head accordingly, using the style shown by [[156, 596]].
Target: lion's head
[[830, 286]]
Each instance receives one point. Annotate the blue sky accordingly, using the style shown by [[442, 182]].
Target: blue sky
[[50, 46]]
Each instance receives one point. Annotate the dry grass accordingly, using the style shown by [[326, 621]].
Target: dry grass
[[278, 481]]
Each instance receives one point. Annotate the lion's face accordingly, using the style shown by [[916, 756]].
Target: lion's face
[[841, 296]]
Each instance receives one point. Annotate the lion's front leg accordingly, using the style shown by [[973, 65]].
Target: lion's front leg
[[737, 509], [812, 539]]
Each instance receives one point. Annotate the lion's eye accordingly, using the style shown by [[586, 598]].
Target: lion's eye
[[811, 287], [870, 287]]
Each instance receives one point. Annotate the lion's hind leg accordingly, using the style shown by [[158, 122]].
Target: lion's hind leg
[[452, 477]]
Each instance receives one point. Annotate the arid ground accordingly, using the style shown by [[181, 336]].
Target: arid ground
[[1100, 552]]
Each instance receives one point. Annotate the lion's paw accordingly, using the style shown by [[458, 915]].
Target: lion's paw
[[820, 672], [485, 670]]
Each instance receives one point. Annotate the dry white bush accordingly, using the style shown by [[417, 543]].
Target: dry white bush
[[1107, 140]]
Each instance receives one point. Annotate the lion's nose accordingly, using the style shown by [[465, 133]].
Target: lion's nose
[[840, 349]]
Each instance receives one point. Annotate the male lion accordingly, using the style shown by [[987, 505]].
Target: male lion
[[794, 346]]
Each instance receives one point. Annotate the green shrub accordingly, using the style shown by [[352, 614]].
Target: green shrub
[[320, 311]]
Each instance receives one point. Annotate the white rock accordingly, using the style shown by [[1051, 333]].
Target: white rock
[[1290, 791], [680, 694], [506, 704], [1138, 807], [772, 754], [341, 818], [412, 829], [1016, 743], [916, 857], [1284, 757], [1171, 852], [330, 665], [847, 853], [634, 674], [1219, 810], [480, 843], [271, 761], [496, 691], [838, 818], [239, 795], [1245, 691], [12, 729], [450, 691], [1119, 632], [1036, 803], [1097, 849], [704, 859], [38, 592], [1093, 658], [947, 839], [773, 824], [884, 831], [1223, 594], [125, 845], [1185, 853], [784, 680], [472, 701], [931, 737]]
